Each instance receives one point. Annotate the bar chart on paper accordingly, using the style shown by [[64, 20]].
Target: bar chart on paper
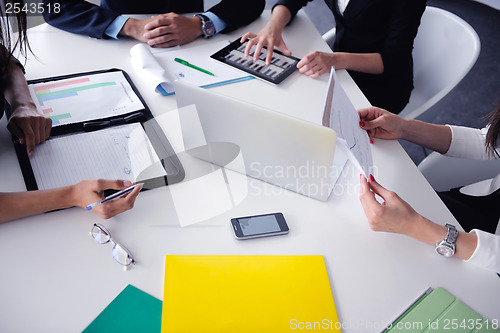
[[85, 98]]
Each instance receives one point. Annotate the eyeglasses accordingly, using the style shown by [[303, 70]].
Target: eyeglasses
[[120, 252]]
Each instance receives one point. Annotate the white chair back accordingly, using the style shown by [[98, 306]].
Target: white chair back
[[445, 172], [445, 49]]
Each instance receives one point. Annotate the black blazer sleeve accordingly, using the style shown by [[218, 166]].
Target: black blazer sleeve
[[82, 17], [231, 12], [404, 23], [293, 5]]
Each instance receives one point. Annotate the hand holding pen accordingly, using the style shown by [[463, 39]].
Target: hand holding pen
[[89, 191]]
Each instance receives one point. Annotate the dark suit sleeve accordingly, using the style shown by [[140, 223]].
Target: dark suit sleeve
[[236, 14], [405, 19], [293, 5], [80, 17]]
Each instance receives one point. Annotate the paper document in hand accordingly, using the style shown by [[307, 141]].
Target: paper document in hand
[[121, 152], [341, 115], [84, 98]]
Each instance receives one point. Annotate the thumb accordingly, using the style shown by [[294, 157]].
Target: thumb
[[377, 188], [282, 46]]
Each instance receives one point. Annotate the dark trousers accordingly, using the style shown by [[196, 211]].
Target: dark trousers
[[473, 212]]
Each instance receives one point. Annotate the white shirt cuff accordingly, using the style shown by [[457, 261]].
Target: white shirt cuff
[[487, 253]]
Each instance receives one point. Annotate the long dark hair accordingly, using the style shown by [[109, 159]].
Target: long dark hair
[[7, 44], [493, 134]]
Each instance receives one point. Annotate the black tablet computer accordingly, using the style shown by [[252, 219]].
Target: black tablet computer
[[280, 68]]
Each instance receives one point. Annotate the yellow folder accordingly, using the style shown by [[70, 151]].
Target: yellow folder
[[246, 293]]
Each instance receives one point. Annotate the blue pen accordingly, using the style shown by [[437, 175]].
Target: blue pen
[[113, 196]]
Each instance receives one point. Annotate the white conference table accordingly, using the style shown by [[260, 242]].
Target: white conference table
[[55, 278]]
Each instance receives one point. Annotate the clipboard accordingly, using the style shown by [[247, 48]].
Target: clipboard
[[57, 90]]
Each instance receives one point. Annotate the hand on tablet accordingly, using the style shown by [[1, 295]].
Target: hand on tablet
[[270, 39], [270, 35]]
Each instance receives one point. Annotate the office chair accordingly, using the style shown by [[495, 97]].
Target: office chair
[[445, 173], [445, 49], [329, 36]]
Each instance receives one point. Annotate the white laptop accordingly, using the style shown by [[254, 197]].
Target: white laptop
[[276, 148]]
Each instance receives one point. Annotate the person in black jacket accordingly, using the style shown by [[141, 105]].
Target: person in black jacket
[[164, 30], [374, 42]]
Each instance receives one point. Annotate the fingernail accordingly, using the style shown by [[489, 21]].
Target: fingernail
[[127, 183], [360, 176], [371, 141], [362, 124], [372, 179], [30, 153]]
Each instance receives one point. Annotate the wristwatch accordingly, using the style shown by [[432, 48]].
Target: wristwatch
[[207, 26], [447, 246]]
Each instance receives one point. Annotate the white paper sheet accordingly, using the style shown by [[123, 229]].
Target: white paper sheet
[[161, 68], [121, 152], [145, 62], [344, 119], [85, 98]]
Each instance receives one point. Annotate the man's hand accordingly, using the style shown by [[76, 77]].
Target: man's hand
[[29, 126], [165, 30]]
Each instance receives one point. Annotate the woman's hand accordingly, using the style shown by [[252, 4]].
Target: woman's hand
[[90, 191], [380, 123], [316, 63], [393, 215], [270, 35]]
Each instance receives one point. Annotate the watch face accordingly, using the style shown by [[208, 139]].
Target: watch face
[[209, 28], [444, 251]]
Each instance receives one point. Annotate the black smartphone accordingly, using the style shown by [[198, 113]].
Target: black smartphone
[[259, 226]]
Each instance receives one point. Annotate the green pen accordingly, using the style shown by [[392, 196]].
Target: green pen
[[184, 62]]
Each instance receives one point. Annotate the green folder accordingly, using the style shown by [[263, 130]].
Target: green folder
[[132, 310], [439, 311]]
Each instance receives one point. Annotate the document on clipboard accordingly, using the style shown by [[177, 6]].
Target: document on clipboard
[[120, 152], [102, 128], [83, 98]]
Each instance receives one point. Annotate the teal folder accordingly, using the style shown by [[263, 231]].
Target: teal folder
[[439, 311], [132, 310]]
